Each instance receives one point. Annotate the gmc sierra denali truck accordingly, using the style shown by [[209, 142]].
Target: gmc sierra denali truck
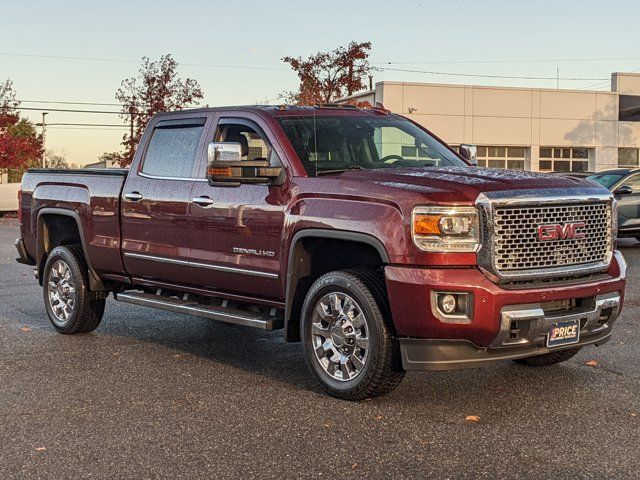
[[356, 231]]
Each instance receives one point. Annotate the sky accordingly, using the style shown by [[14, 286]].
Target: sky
[[80, 51]]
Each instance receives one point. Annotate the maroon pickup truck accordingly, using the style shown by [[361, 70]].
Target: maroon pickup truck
[[356, 231]]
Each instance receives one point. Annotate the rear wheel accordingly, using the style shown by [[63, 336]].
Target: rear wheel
[[71, 306], [346, 336], [548, 359]]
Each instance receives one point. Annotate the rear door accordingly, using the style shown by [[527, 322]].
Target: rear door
[[236, 232], [156, 201]]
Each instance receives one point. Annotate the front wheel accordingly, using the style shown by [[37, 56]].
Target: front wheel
[[71, 306], [346, 336]]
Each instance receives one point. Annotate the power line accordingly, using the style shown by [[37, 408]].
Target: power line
[[526, 77], [85, 125], [120, 60], [456, 62], [72, 103], [73, 110], [106, 129]]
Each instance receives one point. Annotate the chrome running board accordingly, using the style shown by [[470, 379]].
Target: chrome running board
[[269, 320]]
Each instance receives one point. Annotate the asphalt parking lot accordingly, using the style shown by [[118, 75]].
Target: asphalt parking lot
[[151, 394]]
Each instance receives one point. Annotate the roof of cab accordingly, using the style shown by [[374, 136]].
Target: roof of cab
[[288, 110], [618, 171]]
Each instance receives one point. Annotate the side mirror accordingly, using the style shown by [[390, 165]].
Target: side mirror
[[623, 190], [469, 153], [226, 167]]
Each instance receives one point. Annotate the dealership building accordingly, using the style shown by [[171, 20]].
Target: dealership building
[[526, 128]]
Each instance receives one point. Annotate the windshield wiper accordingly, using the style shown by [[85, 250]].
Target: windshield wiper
[[338, 170]]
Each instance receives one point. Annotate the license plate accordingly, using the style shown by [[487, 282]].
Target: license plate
[[564, 333]]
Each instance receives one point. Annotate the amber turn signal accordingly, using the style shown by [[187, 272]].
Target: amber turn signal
[[426, 224], [220, 172]]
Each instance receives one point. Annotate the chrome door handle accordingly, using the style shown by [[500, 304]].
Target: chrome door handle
[[202, 201], [133, 196]]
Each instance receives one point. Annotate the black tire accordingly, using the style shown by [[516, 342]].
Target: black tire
[[548, 359], [84, 308], [381, 369]]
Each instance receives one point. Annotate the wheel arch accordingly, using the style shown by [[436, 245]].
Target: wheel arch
[[306, 247], [49, 235]]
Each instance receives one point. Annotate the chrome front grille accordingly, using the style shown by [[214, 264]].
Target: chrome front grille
[[517, 246], [512, 249]]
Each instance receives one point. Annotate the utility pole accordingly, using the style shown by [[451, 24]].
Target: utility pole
[[371, 82], [132, 110], [44, 131], [350, 84]]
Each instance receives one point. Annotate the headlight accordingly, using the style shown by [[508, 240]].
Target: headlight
[[446, 229]]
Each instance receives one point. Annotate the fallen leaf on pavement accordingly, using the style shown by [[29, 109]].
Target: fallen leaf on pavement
[[354, 466], [40, 449], [592, 363], [472, 418], [25, 329]]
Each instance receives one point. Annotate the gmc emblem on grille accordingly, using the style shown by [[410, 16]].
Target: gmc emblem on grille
[[561, 232]]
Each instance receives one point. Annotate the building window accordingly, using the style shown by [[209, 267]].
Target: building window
[[564, 159], [502, 157], [628, 157], [629, 108]]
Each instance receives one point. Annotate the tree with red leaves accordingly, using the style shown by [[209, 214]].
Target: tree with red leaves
[[157, 88], [20, 146], [326, 77]]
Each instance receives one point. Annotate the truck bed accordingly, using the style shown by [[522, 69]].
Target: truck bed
[[91, 197]]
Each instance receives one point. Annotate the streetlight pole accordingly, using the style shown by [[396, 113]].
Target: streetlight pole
[[44, 131]]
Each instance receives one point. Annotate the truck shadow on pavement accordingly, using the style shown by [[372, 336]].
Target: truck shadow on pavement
[[264, 358]]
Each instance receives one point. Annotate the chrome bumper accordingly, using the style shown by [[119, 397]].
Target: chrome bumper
[[529, 324]]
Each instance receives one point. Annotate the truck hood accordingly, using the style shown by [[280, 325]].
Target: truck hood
[[458, 185]]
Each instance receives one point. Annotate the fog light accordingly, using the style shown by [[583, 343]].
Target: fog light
[[452, 307], [448, 303]]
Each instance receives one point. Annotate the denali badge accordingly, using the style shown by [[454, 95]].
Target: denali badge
[[253, 251], [560, 232]]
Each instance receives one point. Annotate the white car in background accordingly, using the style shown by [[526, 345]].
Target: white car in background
[[9, 197]]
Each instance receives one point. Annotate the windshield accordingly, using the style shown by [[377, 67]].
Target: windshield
[[606, 180], [332, 144]]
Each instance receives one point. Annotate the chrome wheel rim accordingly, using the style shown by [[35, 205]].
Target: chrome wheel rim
[[61, 292], [340, 336]]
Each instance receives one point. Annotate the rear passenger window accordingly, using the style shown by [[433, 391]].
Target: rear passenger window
[[173, 147]]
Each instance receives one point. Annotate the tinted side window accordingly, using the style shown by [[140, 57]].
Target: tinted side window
[[173, 147], [633, 182]]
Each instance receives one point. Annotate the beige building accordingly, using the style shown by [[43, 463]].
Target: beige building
[[527, 128]]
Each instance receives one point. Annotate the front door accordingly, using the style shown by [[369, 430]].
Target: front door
[[156, 202], [236, 232], [629, 204]]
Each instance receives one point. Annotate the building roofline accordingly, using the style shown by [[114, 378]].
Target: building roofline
[[495, 87]]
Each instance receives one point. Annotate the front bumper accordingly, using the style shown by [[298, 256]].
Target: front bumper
[[526, 340], [491, 334]]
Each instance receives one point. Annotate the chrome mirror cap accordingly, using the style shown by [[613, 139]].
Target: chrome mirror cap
[[224, 152], [469, 153]]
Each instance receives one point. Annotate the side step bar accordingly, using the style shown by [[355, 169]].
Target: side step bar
[[267, 321]]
